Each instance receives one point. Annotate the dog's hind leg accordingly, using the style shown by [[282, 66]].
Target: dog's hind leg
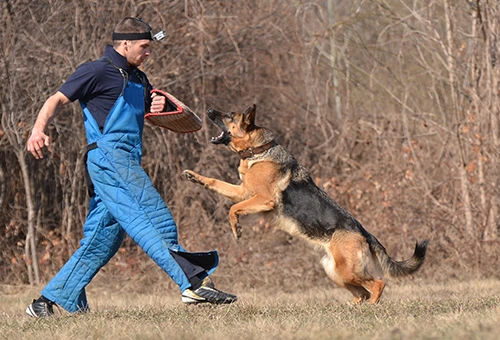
[[375, 287], [372, 277], [352, 258], [337, 275], [360, 294]]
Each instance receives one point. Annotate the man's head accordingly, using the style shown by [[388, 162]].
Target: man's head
[[132, 38]]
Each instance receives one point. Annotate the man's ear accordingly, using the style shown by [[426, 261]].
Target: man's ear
[[249, 118]]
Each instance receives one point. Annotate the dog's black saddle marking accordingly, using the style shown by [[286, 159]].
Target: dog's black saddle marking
[[317, 214]]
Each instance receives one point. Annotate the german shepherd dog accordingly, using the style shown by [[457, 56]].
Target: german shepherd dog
[[273, 182]]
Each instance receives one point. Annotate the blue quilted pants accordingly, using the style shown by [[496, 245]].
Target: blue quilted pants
[[125, 201]]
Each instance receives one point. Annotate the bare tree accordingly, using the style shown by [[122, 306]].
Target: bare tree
[[393, 105]]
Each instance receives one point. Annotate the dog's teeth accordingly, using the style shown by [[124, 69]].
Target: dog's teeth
[[218, 137]]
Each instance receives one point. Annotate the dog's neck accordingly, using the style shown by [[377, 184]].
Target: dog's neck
[[250, 152]]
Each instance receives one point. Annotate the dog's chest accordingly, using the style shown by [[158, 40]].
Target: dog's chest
[[243, 168]]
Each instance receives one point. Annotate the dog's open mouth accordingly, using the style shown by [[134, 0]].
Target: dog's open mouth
[[223, 138]]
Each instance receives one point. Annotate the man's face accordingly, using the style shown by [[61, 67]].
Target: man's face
[[137, 51]]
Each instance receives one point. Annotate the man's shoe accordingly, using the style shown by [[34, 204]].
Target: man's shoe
[[40, 308], [207, 293]]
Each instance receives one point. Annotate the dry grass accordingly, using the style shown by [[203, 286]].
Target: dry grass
[[458, 310]]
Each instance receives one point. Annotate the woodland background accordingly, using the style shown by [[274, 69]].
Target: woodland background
[[392, 105]]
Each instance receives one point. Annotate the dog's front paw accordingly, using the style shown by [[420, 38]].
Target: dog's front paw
[[192, 176], [237, 231]]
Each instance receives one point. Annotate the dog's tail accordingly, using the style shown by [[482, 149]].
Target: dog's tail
[[399, 268]]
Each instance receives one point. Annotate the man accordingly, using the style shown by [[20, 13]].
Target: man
[[114, 95]]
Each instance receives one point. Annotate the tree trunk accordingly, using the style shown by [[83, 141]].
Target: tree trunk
[[30, 246], [333, 59], [464, 181]]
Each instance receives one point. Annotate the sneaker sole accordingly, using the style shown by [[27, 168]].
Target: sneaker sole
[[190, 301]]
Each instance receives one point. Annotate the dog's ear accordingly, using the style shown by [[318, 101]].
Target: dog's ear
[[249, 118]]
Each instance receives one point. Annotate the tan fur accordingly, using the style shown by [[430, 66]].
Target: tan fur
[[349, 264], [352, 261]]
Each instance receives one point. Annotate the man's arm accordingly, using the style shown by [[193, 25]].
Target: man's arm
[[38, 139]]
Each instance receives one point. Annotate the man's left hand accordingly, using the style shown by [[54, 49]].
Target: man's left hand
[[158, 103]]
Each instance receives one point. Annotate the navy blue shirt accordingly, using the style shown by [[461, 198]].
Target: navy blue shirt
[[98, 84]]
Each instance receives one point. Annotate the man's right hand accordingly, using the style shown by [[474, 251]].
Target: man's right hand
[[37, 141]]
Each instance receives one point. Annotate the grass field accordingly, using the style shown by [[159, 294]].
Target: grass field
[[409, 310]]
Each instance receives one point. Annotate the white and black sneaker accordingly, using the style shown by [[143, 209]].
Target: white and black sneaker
[[207, 293], [40, 308]]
